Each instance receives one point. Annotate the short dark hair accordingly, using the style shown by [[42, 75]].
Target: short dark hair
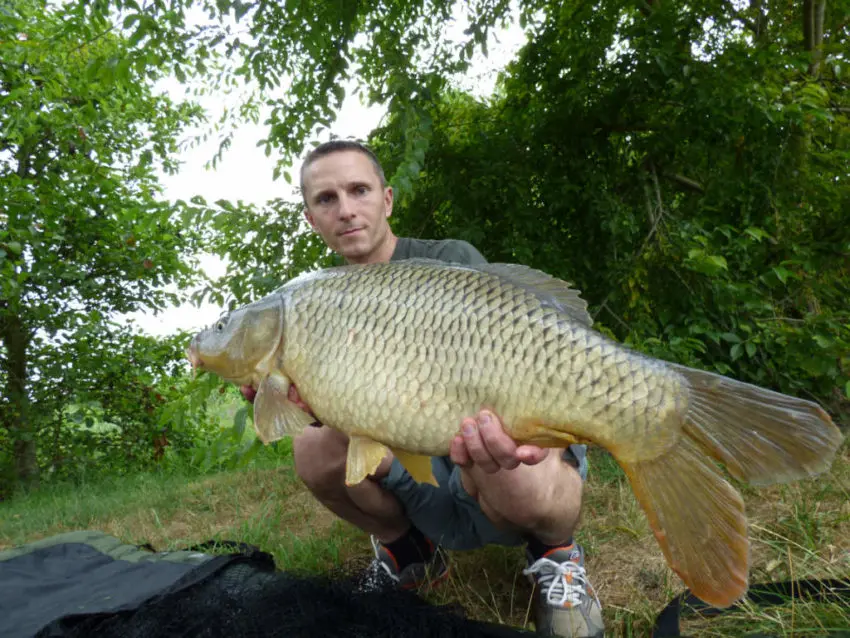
[[335, 146]]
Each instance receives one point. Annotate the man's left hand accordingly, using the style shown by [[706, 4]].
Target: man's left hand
[[485, 444]]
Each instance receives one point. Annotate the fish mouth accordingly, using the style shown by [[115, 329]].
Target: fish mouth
[[193, 356]]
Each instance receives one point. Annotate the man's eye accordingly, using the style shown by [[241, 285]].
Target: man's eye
[[361, 190]]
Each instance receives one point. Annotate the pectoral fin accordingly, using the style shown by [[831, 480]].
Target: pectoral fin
[[275, 416], [364, 457], [418, 466]]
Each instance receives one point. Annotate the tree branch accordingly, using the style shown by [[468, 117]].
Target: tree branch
[[685, 182]]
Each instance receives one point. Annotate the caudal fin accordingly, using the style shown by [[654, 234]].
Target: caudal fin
[[697, 518], [761, 436]]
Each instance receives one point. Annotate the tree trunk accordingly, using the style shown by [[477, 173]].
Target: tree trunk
[[813, 14], [17, 419]]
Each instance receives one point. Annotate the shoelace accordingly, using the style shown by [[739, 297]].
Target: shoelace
[[376, 546], [553, 580]]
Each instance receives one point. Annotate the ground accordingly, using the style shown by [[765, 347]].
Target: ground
[[797, 531]]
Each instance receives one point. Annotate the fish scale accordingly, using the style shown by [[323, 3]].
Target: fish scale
[[439, 326], [396, 355]]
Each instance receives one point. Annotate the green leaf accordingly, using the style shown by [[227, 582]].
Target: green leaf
[[240, 9], [731, 337], [718, 261], [14, 247], [847, 389], [756, 233], [751, 349], [781, 273], [823, 341], [239, 421], [735, 351]]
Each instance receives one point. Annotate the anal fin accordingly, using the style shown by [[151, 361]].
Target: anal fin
[[364, 457], [529, 431], [417, 465], [275, 416], [697, 518]]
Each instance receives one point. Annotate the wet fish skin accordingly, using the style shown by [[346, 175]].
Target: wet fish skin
[[364, 363], [396, 355]]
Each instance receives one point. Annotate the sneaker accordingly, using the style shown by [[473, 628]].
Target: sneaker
[[566, 603], [383, 573]]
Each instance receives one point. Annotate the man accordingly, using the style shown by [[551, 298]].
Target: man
[[490, 490]]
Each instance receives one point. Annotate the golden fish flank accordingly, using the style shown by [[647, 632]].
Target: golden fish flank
[[396, 355]]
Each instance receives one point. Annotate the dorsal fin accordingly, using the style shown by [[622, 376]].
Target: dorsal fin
[[545, 287]]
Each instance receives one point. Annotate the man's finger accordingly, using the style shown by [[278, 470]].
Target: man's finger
[[458, 453], [475, 447], [531, 454], [248, 392], [293, 396], [499, 445]]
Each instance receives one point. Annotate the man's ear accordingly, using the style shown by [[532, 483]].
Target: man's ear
[[309, 217], [388, 200]]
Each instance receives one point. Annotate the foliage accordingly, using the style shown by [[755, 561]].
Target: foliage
[[294, 58], [263, 248], [683, 166], [109, 412], [83, 232]]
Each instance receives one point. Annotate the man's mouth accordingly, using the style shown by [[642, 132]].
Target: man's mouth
[[350, 231]]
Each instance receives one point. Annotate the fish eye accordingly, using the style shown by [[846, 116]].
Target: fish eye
[[220, 324]]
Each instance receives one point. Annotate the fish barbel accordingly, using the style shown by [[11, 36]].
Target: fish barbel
[[396, 354]]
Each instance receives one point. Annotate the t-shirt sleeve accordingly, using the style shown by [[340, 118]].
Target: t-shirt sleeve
[[461, 252]]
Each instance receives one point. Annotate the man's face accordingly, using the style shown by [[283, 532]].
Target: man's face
[[347, 205]]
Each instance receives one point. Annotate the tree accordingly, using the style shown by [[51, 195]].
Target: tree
[[685, 166], [83, 231]]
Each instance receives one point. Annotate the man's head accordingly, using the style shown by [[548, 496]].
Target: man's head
[[348, 201]]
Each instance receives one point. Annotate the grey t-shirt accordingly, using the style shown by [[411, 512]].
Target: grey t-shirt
[[449, 250]]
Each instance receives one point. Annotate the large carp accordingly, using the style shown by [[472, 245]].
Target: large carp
[[397, 354]]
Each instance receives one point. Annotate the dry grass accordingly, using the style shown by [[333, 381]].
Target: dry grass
[[797, 531]]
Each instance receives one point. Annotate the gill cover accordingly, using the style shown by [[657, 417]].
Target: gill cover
[[242, 344]]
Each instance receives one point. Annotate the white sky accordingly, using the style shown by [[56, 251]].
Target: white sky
[[245, 173]]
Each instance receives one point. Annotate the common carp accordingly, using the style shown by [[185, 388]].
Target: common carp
[[391, 354]]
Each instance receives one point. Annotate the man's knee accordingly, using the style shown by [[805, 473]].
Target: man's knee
[[545, 495], [320, 455]]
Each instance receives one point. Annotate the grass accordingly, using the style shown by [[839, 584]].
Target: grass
[[797, 531]]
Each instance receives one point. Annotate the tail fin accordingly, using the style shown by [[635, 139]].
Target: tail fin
[[697, 518], [761, 436]]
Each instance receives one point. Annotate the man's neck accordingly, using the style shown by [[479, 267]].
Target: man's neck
[[382, 253]]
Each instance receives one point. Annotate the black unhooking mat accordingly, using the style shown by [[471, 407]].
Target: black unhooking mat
[[90, 584]]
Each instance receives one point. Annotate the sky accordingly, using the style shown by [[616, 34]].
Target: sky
[[245, 173]]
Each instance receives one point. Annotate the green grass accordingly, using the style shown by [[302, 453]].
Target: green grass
[[800, 530]]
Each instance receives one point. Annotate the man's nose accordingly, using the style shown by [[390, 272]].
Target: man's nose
[[346, 208]]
